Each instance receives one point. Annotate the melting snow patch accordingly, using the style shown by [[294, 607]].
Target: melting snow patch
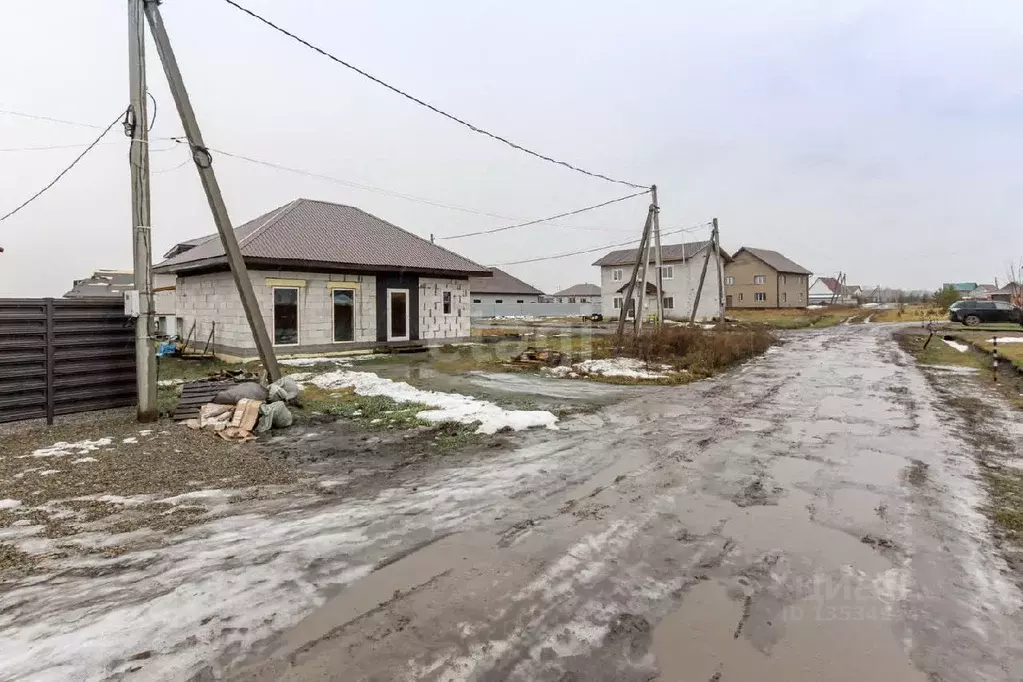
[[198, 495], [9, 504], [961, 347], [49, 472], [84, 460], [145, 432], [1010, 339], [449, 407], [170, 382], [63, 449], [631, 368], [131, 439]]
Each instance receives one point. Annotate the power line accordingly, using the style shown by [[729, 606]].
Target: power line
[[470, 126], [65, 171], [544, 220], [51, 147], [601, 248], [48, 118], [388, 192]]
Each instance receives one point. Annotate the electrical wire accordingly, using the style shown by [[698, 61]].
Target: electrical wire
[[63, 172], [48, 118], [544, 220], [423, 103], [45, 148], [387, 192], [602, 248]]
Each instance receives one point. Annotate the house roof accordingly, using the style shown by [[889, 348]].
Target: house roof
[[774, 259], [831, 283], [961, 287], [310, 233], [105, 283], [1010, 288], [579, 290], [181, 247], [500, 282], [669, 253]]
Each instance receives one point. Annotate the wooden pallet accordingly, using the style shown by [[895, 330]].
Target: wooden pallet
[[195, 394]]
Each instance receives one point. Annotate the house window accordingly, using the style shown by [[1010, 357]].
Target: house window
[[446, 302], [760, 296], [667, 272], [520, 301], [618, 303], [740, 295], [783, 279], [616, 275], [759, 279], [571, 299], [343, 303], [668, 302], [477, 300], [729, 281], [285, 316], [498, 300], [784, 297], [582, 300]]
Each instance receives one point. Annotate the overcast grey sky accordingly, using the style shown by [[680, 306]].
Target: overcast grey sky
[[875, 137]]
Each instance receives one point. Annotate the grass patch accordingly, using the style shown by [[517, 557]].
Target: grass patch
[[937, 352], [370, 411], [910, 313], [793, 318], [700, 352]]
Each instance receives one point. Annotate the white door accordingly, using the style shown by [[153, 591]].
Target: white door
[[397, 315]]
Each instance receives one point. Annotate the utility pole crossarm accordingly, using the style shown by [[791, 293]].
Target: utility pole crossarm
[[204, 163]]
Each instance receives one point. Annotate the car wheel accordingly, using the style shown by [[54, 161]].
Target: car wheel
[[971, 321]]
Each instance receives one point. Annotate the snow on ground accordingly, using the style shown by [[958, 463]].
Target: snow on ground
[[170, 382], [814, 307], [448, 407], [339, 360], [229, 584], [63, 449], [631, 368], [84, 460], [1010, 339], [9, 504], [961, 347]]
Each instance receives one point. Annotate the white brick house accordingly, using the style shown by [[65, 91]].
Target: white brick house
[[681, 264], [328, 278]]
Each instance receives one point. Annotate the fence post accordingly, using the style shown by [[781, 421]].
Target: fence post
[[48, 305], [994, 361]]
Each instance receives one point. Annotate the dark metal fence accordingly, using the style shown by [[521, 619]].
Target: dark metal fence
[[59, 356]]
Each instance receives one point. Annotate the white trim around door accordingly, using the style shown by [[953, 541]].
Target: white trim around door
[[390, 315]]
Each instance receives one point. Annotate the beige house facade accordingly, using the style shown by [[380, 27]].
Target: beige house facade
[[760, 278]]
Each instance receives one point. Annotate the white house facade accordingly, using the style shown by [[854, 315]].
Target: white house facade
[[681, 267]]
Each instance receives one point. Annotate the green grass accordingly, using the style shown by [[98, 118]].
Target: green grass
[[793, 318], [375, 412], [937, 352]]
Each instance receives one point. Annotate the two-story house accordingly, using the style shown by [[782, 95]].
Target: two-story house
[[760, 278], [681, 265]]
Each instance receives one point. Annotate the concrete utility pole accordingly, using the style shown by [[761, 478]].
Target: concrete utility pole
[[204, 162], [635, 271], [657, 252], [641, 306], [721, 279], [138, 120], [703, 273]]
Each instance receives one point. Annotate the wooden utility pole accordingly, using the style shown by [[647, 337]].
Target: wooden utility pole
[[703, 273], [204, 162], [142, 242], [635, 271], [657, 252], [641, 306], [721, 279]]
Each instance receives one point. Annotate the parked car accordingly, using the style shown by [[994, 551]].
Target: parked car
[[972, 313]]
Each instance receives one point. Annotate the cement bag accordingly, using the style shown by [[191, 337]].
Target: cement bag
[[285, 390], [248, 389], [273, 416]]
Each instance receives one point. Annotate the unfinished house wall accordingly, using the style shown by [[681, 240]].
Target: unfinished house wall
[[433, 322]]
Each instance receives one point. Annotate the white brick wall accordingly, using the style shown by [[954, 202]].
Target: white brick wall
[[204, 299], [682, 288], [433, 323]]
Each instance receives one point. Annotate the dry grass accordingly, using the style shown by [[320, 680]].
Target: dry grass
[[700, 352], [793, 318], [983, 339], [911, 313]]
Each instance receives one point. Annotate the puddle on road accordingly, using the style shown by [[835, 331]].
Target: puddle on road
[[840, 640], [871, 467], [794, 470]]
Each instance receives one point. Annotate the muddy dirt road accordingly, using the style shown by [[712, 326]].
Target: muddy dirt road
[[812, 516]]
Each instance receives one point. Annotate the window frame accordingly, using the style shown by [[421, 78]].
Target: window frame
[[759, 279], [477, 300], [668, 302], [784, 297], [298, 317], [617, 274], [760, 297], [668, 271], [740, 297], [617, 302], [729, 281], [447, 306], [355, 313]]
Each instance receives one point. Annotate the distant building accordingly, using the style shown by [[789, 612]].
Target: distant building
[[113, 284], [578, 293], [962, 288], [1011, 292], [761, 278], [502, 288], [982, 292]]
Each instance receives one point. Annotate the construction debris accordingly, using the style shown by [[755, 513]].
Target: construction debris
[[545, 357]]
